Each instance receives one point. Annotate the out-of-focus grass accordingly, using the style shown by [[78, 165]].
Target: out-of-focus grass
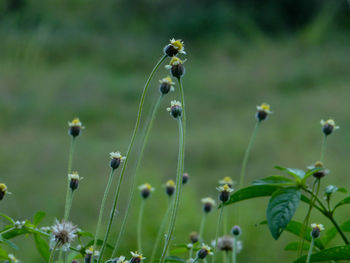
[[223, 85]]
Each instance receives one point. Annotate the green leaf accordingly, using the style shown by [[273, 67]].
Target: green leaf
[[331, 189], [179, 250], [342, 202], [334, 253], [345, 226], [252, 192], [294, 245], [281, 209], [8, 243], [274, 180], [328, 235], [42, 247], [174, 259], [8, 218], [38, 217], [3, 254], [296, 173]]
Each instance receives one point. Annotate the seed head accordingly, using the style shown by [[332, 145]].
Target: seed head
[[185, 178], [204, 251], [227, 180], [208, 204], [174, 47], [3, 191], [226, 243], [194, 237], [328, 126], [263, 111], [175, 109], [136, 257], [75, 126], [74, 180], [316, 230], [146, 190], [225, 192], [176, 67], [166, 85], [236, 231], [116, 159], [63, 234], [170, 187]]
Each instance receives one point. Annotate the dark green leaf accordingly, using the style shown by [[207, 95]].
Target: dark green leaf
[[311, 172], [38, 217], [293, 246], [274, 179], [328, 235], [174, 259], [296, 173], [281, 209], [42, 247], [342, 202], [346, 226], [334, 253]]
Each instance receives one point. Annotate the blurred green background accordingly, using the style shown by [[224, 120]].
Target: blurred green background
[[85, 58]]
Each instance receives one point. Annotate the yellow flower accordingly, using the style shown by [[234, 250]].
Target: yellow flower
[[146, 187], [178, 45], [75, 123], [208, 200], [137, 255], [264, 107], [225, 188], [226, 180], [320, 227], [170, 183], [174, 62]]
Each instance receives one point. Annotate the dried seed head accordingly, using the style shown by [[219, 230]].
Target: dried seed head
[[174, 47], [175, 109], [146, 190], [166, 85], [63, 234], [194, 237], [316, 230], [136, 257], [328, 126], [170, 187], [263, 111], [225, 192], [321, 173], [176, 67], [75, 127], [225, 243], [208, 204], [204, 251], [227, 180], [236, 231], [3, 191], [74, 180], [185, 178], [116, 159]]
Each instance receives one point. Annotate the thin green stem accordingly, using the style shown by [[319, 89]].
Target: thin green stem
[[246, 154], [224, 257], [102, 207], [69, 205], [184, 115], [201, 229], [190, 254], [139, 226], [225, 223], [323, 149], [234, 252], [70, 162], [7, 230], [149, 126], [136, 128], [310, 250], [217, 233], [161, 230], [53, 253], [195, 260], [178, 192]]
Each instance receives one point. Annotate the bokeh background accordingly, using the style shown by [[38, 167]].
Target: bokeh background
[[85, 58]]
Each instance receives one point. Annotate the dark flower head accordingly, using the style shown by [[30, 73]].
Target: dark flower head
[[176, 67], [225, 192], [236, 231], [116, 159], [170, 187], [175, 109], [208, 204], [316, 230], [204, 251], [174, 47], [226, 243], [263, 111], [328, 126], [74, 180], [322, 172], [3, 191], [185, 178], [166, 85], [75, 127], [146, 190], [194, 237]]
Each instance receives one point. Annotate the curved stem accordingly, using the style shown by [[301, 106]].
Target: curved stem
[[201, 229], [70, 162], [324, 145], [310, 250], [246, 155], [139, 226], [136, 128], [53, 253], [178, 192], [102, 208], [161, 231], [184, 115], [217, 233], [149, 126]]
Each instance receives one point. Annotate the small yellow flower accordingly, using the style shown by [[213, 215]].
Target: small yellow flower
[[137, 255], [263, 111], [166, 85], [264, 107], [227, 180], [167, 80], [320, 227], [116, 159], [178, 45], [175, 61], [3, 190], [116, 155], [170, 187], [170, 183], [75, 123], [146, 190], [74, 175], [225, 188], [208, 200], [329, 126]]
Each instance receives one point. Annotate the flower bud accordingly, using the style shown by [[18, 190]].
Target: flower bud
[[136, 258], [204, 251], [175, 109], [166, 85], [88, 255], [316, 230], [263, 111], [74, 180], [320, 173], [116, 159], [170, 188], [176, 67], [208, 204], [194, 237], [3, 190], [75, 126], [227, 180], [146, 190], [328, 126], [185, 178], [225, 192], [236, 231], [175, 47]]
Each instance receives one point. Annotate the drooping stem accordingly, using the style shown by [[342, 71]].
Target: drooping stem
[[201, 229], [53, 252], [149, 126], [310, 250], [323, 150], [246, 155], [139, 226], [234, 252], [177, 193], [70, 162], [217, 233], [136, 129], [161, 230], [102, 207]]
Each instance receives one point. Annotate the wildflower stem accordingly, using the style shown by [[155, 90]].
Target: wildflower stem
[[345, 239], [161, 231], [190, 253], [234, 252], [246, 155], [195, 260], [149, 126], [53, 252], [184, 117], [310, 250], [70, 161], [139, 226], [217, 232], [201, 229], [323, 149], [136, 128], [69, 205], [225, 257], [178, 191]]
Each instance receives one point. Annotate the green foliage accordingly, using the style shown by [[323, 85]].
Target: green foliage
[[334, 253], [42, 246]]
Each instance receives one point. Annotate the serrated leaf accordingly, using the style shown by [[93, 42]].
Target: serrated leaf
[[294, 246], [334, 253], [274, 179], [42, 247], [38, 217], [281, 208], [174, 259]]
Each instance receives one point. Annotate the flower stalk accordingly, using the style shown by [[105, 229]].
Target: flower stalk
[[139, 226], [217, 232], [68, 193]]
